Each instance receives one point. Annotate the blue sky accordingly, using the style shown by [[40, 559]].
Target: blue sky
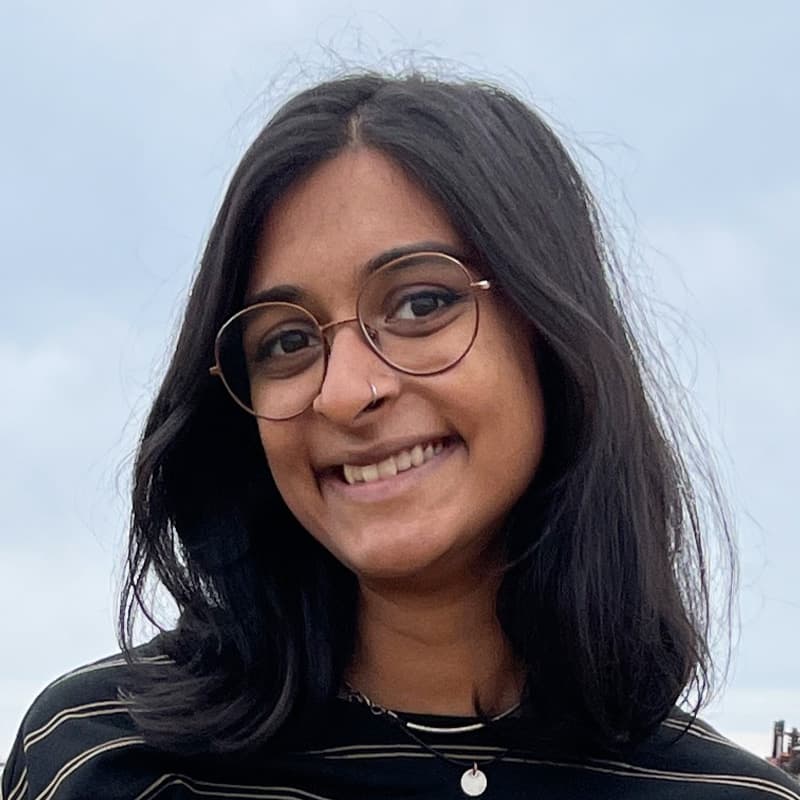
[[121, 123]]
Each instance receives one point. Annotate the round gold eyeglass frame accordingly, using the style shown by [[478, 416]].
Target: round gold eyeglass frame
[[475, 286]]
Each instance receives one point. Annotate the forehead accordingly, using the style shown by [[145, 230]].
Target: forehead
[[326, 232]]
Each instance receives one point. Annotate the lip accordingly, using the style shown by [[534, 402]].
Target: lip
[[388, 447], [387, 488]]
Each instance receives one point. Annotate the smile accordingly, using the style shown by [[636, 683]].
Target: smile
[[401, 461]]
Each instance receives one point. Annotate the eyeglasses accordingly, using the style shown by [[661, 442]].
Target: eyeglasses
[[418, 313]]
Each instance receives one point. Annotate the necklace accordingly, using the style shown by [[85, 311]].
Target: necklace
[[473, 780]]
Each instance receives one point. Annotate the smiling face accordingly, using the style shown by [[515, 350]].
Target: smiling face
[[464, 444]]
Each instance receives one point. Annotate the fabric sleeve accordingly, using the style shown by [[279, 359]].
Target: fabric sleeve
[[76, 741], [14, 784]]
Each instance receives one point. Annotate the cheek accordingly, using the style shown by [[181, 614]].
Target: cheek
[[289, 462], [505, 361], [513, 397], [287, 459]]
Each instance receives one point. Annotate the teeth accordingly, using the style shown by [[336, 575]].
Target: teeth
[[403, 460], [370, 473], [389, 467]]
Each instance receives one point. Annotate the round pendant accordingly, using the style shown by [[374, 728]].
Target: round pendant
[[473, 782]]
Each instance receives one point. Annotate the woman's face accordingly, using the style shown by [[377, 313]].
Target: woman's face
[[435, 521]]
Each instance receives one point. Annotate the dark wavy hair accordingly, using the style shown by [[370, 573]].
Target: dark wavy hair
[[605, 596]]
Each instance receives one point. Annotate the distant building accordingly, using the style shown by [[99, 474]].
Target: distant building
[[785, 748]]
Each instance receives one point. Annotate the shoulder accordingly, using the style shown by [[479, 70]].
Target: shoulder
[[697, 761], [75, 725], [87, 689], [87, 696]]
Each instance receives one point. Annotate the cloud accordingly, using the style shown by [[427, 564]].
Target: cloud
[[67, 420]]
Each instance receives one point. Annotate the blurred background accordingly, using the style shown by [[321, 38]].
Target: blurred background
[[119, 125]]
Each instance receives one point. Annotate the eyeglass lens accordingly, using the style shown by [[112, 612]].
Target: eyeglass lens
[[418, 313]]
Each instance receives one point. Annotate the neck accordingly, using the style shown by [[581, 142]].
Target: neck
[[434, 653]]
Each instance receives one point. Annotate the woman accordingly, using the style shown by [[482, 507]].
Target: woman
[[407, 482]]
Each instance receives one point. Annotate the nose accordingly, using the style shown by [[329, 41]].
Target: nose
[[351, 367], [350, 370]]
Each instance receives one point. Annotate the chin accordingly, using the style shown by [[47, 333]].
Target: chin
[[390, 560], [414, 557]]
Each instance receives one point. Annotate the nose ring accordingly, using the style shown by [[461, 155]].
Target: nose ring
[[374, 401]]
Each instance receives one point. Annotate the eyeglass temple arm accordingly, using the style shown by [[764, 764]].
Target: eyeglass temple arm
[[481, 284]]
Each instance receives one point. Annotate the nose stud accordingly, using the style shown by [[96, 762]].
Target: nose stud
[[374, 390]]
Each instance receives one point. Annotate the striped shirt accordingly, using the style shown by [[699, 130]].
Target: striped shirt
[[78, 741]]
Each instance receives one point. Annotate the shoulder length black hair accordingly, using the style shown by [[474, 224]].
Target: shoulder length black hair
[[605, 596]]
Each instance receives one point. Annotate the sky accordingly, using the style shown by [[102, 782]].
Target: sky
[[121, 123]]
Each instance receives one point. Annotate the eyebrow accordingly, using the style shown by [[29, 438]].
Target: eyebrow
[[289, 293]]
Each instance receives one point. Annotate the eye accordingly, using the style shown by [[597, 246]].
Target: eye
[[288, 344], [417, 304]]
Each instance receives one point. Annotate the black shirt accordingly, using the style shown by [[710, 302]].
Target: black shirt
[[78, 741]]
